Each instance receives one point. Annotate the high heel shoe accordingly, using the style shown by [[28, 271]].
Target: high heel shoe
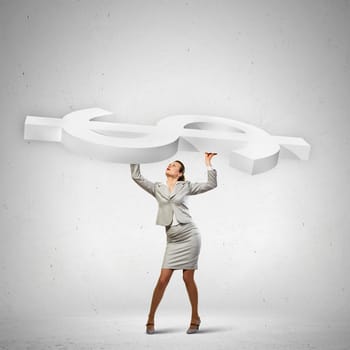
[[195, 329], [149, 330]]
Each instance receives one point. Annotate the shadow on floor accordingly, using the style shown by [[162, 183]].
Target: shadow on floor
[[215, 329], [201, 330]]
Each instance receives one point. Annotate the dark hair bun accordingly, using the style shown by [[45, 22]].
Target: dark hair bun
[[182, 170]]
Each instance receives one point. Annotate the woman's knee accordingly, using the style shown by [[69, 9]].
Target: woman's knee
[[163, 282], [164, 279], [188, 276]]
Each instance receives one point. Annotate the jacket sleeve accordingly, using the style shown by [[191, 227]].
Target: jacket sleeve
[[200, 187], [140, 180]]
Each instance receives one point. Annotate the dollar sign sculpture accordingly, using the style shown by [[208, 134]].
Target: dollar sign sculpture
[[249, 148]]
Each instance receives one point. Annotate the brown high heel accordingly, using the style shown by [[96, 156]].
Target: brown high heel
[[191, 330], [149, 330]]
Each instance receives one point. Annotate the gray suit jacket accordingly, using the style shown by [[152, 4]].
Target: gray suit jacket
[[172, 203]]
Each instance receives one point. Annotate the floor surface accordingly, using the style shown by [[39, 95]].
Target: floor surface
[[217, 331]]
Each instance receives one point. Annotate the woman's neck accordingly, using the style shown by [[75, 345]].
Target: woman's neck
[[171, 181]]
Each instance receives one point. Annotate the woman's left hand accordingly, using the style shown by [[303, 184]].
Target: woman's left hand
[[208, 157]]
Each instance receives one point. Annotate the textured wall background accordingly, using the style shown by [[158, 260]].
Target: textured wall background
[[79, 237]]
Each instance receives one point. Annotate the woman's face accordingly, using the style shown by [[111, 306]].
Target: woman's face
[[173, 170]]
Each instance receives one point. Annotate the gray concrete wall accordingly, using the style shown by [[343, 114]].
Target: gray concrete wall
[[276, 242]]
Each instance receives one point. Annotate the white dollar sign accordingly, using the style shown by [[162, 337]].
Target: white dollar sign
[[249, 148]]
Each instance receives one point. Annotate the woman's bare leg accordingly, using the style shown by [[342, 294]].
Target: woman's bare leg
[[158, 292], [188, 277]]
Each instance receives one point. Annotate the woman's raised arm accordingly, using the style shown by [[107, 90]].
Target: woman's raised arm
[[200, 187], [147, 185]]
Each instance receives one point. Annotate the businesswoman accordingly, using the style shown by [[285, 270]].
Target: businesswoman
[[183, 237]]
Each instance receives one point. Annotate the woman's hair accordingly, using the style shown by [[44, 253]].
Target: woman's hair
[[182, 170]]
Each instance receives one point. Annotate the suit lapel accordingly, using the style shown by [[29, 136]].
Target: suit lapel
[[163, 188], [177, 188]]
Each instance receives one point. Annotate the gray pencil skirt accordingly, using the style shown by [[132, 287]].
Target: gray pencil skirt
[[183, 247]]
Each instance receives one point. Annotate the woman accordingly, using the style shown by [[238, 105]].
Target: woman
[[183, 237]]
